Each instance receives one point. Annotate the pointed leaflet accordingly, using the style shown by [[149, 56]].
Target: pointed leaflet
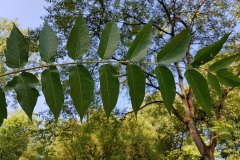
[[141, 43], [78, 40], [17, 49], [167, 86], [3, 107], [109, 87], [24, 86], [207, 53], [53, 90], [48, 44], [214, 83], [200, 89], [81, 88], [136, 82], [176, 49], [109, 41], [228, 78], [223, 63]]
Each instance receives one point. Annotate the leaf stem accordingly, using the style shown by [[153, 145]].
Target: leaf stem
[[78, 63]]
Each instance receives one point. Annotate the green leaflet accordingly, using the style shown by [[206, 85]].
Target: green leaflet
[[223, 63], [141, 43], [167, 86], [109, 87], [24, 86], [136, 82], [78, 40], [207, 53], [109, 41], [214, 83], [200, 89], [176, 49], [52, 90], [81, 88], [48, 44], [17, 49], [228, 78], [3, 107]]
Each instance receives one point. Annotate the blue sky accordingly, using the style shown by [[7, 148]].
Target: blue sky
[[28, 12]]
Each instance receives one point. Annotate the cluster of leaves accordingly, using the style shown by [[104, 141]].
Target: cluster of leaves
[[82, 84]]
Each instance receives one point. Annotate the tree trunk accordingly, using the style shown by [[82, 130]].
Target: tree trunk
[[205, 151]]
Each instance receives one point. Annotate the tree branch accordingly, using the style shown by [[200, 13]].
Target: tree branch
[[144, 106]]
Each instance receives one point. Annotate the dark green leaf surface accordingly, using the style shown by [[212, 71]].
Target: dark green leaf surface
[[141, 43], [109, 87], [228, 78], [78, 40], [3, 107], [81, 88], [136, 82], [223, 63], [48, 44], [24, 86], [176, 49], [109, 41], [200, 89], [167, 86], [214, 83], [207, 53], [53, 90], [17, 49]]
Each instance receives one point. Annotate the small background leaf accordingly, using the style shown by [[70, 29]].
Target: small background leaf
[[167, 86], [109, 87], [207, 53], [78, 40], [109, 41], [200, 89], [26, 93], [136, 82], [48, 44], [17, 49], [176, 49], [3, 107], [81, 88], [53, 90], [141, 43]]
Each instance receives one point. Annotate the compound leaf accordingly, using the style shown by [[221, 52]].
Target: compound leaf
[[207, 53], [227, 78], [27, 94], [109, 87], [109, 41], [81, 88], [52, 90], [141, 43], [78, 40], [167, 86], [200, 89], [214, 83], [17, 49], [223, 63], [48, 44], [176, 49], [136, 82]]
